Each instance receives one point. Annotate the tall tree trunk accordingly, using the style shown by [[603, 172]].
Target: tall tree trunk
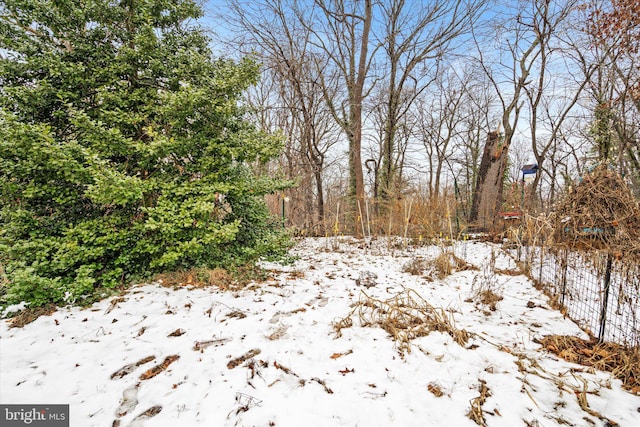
[[320, 196], [487, 198], [356, 106]]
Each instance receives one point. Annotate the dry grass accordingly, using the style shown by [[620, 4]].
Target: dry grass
[[416, 266], [241, 359], [197, 278], [204, 277], [447, 263], [442, 266], [405, 316], [509, 271], [485, 289], [622, 362], [570, 381], [489, 298], [28, 315], [411, 212], [476, 412]]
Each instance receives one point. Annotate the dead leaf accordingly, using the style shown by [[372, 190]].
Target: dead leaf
[[346, 371], [201, 345], [338, 355], [159, 368], [238, 360], [435, 389], [127, 369]]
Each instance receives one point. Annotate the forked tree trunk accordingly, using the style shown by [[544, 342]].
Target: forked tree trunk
[[487, 197]]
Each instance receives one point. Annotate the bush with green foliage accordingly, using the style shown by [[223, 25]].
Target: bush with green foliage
[[123, 149]]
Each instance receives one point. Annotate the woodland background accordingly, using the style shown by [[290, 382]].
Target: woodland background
[[402, 116]]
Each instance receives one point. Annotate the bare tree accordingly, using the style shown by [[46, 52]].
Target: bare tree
[[440, 115], [519, 52], [477, 112], [341, 31], [417, 36], [273, 30], [551, 97]]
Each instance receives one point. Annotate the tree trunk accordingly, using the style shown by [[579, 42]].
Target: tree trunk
[[358, 98], [487, 199], [320, 203]]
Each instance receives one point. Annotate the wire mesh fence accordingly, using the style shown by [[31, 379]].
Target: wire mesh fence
[[599, 292]]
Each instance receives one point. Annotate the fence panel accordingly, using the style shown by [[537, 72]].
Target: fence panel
[[601, 294]]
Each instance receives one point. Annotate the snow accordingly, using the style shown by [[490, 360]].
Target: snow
[[299, 372]]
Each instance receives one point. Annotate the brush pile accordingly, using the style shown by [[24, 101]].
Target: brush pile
[[599, 213]]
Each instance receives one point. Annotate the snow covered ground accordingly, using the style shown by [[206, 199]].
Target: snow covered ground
[[269, 355]]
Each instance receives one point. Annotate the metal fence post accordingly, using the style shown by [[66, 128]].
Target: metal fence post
[[563, 282], [541, 262], [605, 300]]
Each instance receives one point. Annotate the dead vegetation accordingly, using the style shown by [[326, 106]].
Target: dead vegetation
[[595, 228], [442, 266], [448, 263], [223, 279], [159, 368], [489, 298], [416, 267], [28, 315], [301, 380], [202, 345], [570, 381], [623, 363], [435, 389], [600, 212], [485, 289], [127, 369], [405, 316], [476, 413], [241, 359]]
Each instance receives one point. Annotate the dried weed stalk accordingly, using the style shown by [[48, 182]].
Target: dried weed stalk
[[485, 289], [447, 263], [405, 316], [570, 381], [476, 414], [442, 266]]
